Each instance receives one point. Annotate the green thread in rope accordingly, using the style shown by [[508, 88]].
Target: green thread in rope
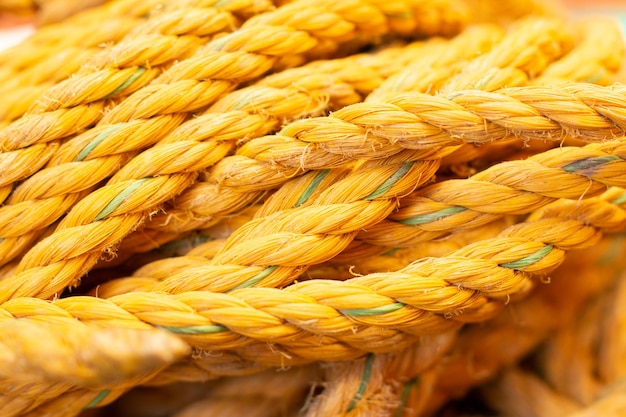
[[252, 96], [115, 203], [404, 398], [219, 44], [431, 217], [127, 83], [401, 15], [191, 330], [595, 78], [399, 80], [102, 136], [619, 200], [221, 3], [390, 252], [98, 398], [589, 163], [386, 186], [367, 373], [530, 259], [613, 251], [312, 186], [172, 247], [255, 279], [374, 311]]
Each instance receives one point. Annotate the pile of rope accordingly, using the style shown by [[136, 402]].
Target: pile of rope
[[294, 208]]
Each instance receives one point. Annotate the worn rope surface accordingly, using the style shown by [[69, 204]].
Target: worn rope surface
[[482, 351], [527, 253], [589, 384], [275, 270], [353, 209], [30, 69], [102, 311], [259, 109], [238, 170], [169, 82]]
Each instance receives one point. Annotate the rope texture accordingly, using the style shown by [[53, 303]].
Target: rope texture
[[287, 158], [355, 208], [241, 50]]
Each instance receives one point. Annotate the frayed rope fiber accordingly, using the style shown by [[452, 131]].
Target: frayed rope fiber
[[293, 208]]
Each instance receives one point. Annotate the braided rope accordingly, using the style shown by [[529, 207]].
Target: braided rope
[[477, 67], [77, 102], [335, 190], [510, 337], [72, 305], [351, 69], [279, 198], [175, 78], [585, 111], [527, 50], [49, 40], [250, 253], [166, 152], [591, 383], [596, 58], [382, 299], [360, 19], [360, 73], [192, 200], [447, 206], [286, 192], [54, 52], [410, 121]]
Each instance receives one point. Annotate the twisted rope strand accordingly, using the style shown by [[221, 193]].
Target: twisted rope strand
[[181, 23], [476, 68], [515, 187], [127, 201], [585, 111], [272, 269], [596, 58], [191, 204], [150, 312], [426, 74], [273, 180], [413, 300], [260, 108], [51, 39], [529, 47], [117, 70], [482, 351], [58, 59]]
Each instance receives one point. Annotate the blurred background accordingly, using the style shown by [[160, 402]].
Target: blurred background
[[17, 21]]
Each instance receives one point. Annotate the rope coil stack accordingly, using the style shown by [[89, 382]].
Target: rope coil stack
[[295, 208]]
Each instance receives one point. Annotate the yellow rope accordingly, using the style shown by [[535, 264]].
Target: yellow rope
[[579, 360], [77, 308], [415, 299], [532, 113], [363, 207], [245, 55]]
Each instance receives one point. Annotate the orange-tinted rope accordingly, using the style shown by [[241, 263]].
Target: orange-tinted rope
[[246, 45]]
